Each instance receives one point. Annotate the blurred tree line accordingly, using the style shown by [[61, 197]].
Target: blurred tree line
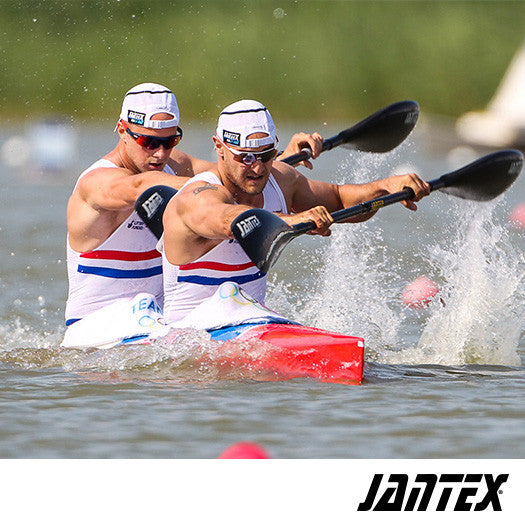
[[307, 60]]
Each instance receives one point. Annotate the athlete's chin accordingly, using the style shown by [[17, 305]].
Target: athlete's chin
[[254, 187], [250, 190]]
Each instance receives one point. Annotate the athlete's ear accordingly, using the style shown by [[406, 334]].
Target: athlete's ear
[[218, 147], [121, 128]]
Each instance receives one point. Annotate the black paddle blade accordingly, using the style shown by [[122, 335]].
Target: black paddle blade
[[262, 235], [483, 179], [380, 132], [150, 207], [384, 130]]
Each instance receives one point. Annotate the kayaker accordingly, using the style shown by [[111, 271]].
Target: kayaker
[[110, 252], [199, 251]]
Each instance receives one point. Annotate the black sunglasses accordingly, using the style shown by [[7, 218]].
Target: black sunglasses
[[151, 142]]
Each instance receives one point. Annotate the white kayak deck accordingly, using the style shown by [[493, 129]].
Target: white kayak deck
[[130, 320]]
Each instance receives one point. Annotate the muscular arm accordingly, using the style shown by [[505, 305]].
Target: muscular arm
[[115, 189], [303, 193], [197, 219], [206, 210], [103, 199]]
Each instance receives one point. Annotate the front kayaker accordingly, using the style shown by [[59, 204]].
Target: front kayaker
[[199, 251]]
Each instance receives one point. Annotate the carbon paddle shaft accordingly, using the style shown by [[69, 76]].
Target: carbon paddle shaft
[[360, 209], [306, 153]]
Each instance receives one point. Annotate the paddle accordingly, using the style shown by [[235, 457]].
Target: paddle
[[263, 235], [150, 207], [378, 133]]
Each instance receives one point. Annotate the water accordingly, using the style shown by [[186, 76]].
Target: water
[[442, 382]]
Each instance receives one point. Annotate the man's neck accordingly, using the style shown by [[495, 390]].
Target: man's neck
[[119, 158], [240, 197]]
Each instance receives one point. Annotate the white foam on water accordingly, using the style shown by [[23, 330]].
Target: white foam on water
[[352, 285], [18, 332], [484, 294], [183, 356]]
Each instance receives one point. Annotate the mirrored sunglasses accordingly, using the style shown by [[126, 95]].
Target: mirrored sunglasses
[[151, 142], [249, 157]]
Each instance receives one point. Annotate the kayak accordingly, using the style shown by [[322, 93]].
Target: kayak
[[253, 341], [297, 351]]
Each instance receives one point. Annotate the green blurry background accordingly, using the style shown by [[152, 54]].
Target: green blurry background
[[307, 60]]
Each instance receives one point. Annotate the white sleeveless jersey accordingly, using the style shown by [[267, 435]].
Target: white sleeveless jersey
[[187, 286], [125, 264]]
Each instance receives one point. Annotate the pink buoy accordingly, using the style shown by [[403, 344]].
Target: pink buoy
[[420, 292], [244, 450], [517, 216]]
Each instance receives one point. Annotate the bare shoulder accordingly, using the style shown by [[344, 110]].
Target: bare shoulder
[[89, 220], [202, 190], [286, 176], [100, 177], [187, 165], [195, 205], [302, 192]]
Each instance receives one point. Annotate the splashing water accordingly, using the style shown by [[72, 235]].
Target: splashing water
[[484, 295], [478, 316], [351, 286], [358, 277], [183, 356]]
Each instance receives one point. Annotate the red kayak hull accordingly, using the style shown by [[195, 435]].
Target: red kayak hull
[[292, 351]]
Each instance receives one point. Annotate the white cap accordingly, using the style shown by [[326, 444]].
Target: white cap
[[146, 100], [240, 119]]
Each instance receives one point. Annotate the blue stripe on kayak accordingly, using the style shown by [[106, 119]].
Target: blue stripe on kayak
[[216, 281], [120, 274], [71, 321], [231, 332]]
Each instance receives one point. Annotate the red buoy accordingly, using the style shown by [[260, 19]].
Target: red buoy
[[517, 216], [420, 292], [244, 450]]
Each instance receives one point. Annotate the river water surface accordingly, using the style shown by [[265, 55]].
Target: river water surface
[[446, 381]]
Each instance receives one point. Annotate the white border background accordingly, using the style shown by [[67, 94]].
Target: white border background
[[231, 491]]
